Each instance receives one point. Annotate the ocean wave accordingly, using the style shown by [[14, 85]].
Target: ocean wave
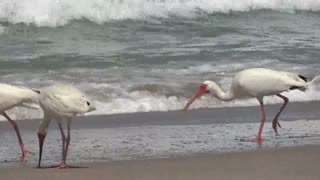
[[146, 98], [58, 13], [145, 101], [121, 95]]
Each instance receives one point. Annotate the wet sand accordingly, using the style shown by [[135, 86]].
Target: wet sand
[[294, 163], [155, 135], [111, 144]]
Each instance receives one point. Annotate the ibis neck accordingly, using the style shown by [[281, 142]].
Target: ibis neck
[[44, 124], [220, 94]]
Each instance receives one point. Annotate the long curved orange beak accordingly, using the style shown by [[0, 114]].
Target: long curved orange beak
[[202, 90]]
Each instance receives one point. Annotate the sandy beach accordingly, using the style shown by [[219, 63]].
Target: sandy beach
[[208, 144], [286, 164], [139, 62], [158, 135]]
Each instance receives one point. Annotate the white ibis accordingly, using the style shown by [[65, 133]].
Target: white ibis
[[12, 96], [256, 83], [61, 102]]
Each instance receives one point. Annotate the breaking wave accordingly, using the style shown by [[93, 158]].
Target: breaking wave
[[58, 12], [113, 98]]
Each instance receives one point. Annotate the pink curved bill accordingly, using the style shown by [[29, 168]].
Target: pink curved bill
[[197, 94]]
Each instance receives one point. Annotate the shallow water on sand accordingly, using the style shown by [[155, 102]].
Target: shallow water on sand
[[163, 135]]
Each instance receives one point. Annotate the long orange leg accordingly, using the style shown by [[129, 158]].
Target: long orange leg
[[65, 147], [259, 139], [275, 122], [16, 128]]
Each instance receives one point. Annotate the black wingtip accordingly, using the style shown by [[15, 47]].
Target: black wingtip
[[35, 90], [303, 78], [294, 87]]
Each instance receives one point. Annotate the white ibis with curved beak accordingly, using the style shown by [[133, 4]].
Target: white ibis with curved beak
[[255, 83], [61, 102], [12, 96]]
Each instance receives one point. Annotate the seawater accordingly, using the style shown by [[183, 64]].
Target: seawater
[[151, 55]]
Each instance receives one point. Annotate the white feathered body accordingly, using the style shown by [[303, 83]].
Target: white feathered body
[[11, 96], [64, 101], [259, 82]]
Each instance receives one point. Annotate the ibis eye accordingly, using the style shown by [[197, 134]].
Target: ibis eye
[[203, 86], [88, 103]]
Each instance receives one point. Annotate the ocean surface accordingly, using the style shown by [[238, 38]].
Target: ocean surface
[[134, 56], [150, 55]]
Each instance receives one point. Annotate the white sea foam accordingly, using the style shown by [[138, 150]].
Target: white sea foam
[[144, 101], [59, 12], [135, 96]]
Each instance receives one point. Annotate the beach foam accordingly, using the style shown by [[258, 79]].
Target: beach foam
[[57, 12], [113, 94], [144, 102]]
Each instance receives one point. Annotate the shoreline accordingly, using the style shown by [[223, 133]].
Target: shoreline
[[279, 163], [220, 115], [153, 135]]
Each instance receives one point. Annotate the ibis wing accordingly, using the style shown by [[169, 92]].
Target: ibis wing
[[71, 104]]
